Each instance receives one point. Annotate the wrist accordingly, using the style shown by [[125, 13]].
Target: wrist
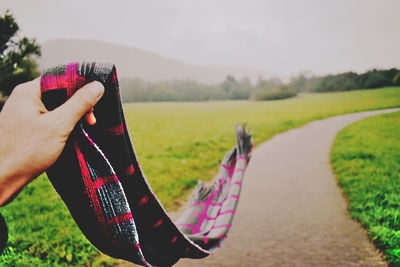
[[11, 182]]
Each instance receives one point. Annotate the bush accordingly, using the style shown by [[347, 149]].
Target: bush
[[285, 91]]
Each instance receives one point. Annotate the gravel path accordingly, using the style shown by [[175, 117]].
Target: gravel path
[[291, 211]]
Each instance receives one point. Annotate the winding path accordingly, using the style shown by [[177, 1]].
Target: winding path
[[291, 211]]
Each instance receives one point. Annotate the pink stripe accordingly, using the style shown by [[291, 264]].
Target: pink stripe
[[173, 240], [238, 183], [225, 166], [70, 76], [115, 130], [130, 170], [243, 158], [89, 185], [120, 218], [114, 77], [143, 200], [234, 196], [100, 181], [71, 80], [48, 83], [222, 236], [239, 170], [226, 212], [205, 240], [231, 169], [222, 226], [158, 223], [213, 218]]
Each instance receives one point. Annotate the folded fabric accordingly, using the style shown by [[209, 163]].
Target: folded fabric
[[101, 182]]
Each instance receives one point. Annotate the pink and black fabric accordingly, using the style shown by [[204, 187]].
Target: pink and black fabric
[[100, 180]]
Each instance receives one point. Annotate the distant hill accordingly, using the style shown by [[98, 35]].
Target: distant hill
[[134, 62]]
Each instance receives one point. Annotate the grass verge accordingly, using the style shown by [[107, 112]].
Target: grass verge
[[366, 160]]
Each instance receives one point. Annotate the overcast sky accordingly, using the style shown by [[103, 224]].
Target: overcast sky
[[279, 36]]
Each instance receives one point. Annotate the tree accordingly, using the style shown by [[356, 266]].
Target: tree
[[229, 85], [396, 78], [299, 83], [16, 63]]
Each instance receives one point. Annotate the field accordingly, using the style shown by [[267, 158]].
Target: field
[[366, 159], [177, 144]]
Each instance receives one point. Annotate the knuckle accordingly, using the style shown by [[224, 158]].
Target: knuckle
[[19, 89]]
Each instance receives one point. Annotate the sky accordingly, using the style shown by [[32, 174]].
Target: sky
[[281, 36]]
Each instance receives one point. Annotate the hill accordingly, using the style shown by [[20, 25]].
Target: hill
[[134, 62]]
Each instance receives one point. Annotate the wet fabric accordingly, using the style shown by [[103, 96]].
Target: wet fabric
[[101, 182]]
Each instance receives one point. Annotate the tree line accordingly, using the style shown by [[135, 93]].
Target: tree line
[[307, 82], [264, 89], [138, 90]]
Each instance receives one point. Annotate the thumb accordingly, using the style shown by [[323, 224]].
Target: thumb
[[81, 102]]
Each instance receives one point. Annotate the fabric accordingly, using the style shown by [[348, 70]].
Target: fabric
[[101, 182], [3, 234]]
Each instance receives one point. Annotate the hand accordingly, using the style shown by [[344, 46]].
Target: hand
[[32, 138]]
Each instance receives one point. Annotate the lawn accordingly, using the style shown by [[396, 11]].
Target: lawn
[[366, 160], [177, 144]]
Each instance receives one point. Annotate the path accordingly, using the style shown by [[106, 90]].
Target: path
[[291, 211]]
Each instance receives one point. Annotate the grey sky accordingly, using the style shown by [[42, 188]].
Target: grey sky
[[279, 36]]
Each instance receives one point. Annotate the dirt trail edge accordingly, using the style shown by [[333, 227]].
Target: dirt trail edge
[[291, 211]]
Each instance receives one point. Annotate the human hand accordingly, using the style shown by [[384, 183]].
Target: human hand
[[32, 138]]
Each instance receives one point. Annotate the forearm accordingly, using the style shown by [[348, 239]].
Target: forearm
[[11, 182], [14, 157]]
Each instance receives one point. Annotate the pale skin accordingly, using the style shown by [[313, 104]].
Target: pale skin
[[32, 138]]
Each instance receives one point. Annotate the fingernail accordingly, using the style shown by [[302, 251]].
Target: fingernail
[[97, 88]]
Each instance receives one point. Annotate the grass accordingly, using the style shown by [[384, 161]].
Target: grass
[[42, 232], [177, 144], [366, 160]]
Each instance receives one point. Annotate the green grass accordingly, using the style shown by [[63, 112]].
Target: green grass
[[177, 144], [366, 160]]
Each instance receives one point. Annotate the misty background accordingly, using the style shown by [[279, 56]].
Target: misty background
[[278, 37]]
